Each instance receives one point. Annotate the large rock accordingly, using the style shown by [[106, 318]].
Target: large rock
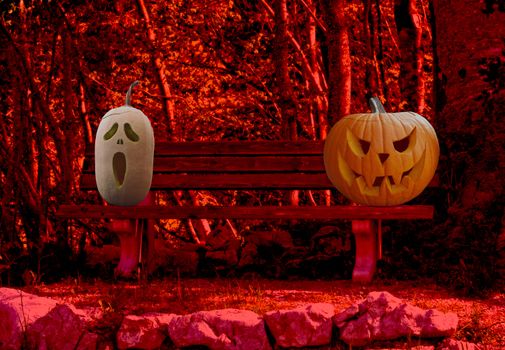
[[143, 332], [453, 344], [48, 325], [330, 240], [405, 346], [263, 250], [305, 326], [168, 259], [18, 311], [223, 236], [222, 247], [60, 329], [381, 316], [228, 329]]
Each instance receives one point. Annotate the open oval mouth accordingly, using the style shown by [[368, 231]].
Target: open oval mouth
[[119, 168]]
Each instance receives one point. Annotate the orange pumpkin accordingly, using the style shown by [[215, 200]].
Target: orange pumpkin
[[381, 158]]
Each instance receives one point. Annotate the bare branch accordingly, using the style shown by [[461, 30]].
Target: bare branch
[[309, 10], [297, 46]]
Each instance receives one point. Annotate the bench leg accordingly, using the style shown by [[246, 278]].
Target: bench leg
[[136, 239], [365, 234], [129, 242]]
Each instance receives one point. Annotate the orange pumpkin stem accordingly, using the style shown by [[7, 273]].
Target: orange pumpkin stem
[[129, 93], [376, 105]]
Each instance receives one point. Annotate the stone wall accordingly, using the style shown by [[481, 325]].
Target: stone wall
[[32, 322]]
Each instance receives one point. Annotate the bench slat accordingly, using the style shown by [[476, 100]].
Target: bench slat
[[245, 148], [235, 181], [229, 181], [214, 212], [233, 164]]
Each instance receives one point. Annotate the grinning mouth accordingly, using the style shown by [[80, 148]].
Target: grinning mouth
[[119, 168], [380, 184]]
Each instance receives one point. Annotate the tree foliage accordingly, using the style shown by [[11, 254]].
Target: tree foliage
[[209, 70]]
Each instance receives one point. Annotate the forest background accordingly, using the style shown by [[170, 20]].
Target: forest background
[[250, 70]]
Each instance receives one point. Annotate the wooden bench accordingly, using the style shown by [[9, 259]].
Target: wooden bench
[[250, 165]]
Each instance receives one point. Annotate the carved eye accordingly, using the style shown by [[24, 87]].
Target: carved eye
[[359, 146], [365, 146], [407, 142], [130, 133], [111, 132]]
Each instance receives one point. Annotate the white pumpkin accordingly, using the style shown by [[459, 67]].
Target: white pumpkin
[[124, 153]]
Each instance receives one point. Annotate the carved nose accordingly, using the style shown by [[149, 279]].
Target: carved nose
[[383, 157], [120, 141]]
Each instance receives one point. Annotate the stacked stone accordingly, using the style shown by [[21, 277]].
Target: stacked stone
[[32, 322]]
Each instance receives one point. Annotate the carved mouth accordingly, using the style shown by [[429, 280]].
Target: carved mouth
[[381, 184], [119, 168]]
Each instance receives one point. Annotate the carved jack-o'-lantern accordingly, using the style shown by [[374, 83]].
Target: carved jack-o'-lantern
[[381, 158], [124, 152]]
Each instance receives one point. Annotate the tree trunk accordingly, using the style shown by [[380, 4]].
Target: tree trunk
[[168, 104], [23, 165], [86, 125], [372, 83], [380, 52], [320, 103], [283, 83], [470, 108], [409, 28], [312, 69], [339, 60], [313, 98], [68, 108]]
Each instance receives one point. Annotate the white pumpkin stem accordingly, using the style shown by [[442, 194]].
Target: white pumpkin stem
[[129, 93], [376, 105]]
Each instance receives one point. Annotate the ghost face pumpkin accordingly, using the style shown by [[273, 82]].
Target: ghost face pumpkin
[[381, 158], [124, 152]]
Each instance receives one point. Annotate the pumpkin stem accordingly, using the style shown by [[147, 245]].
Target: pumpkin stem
[[129, 93], [376, 105]]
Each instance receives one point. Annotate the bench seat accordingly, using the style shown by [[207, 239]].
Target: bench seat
[[349, 212]]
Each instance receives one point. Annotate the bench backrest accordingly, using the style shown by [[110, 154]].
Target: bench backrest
[[232, 165]]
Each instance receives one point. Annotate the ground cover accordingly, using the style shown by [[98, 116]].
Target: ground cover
[[481, 320]]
